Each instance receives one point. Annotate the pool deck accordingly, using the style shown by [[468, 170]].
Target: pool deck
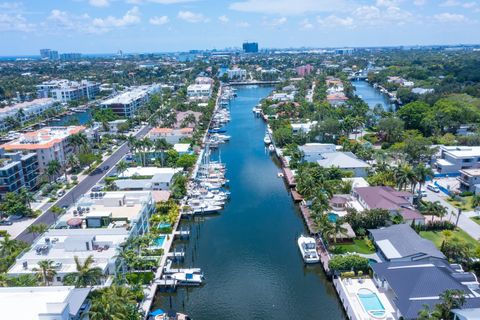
[[347, 291]]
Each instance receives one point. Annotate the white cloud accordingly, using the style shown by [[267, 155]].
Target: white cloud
[[288, 7], [223, 19], [374, 16], [450, 17], [305, 24], [275, 22], [243, 24], [192, 17], [158, 21], [15, 22], [131, 17], [99, 3], [334, 21], [387, 3]]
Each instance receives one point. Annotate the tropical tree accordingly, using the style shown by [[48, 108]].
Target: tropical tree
[[57, 211], [8, 245], [4, 280], [25, 280], [85, 274], [122, 166], [53, 169], [422, 173], [73, 162], [37, 229], [404, 176], [26, 196], [339, 229], [114, 303], [161, 145], [433, 209], [79, 141], [46, 271]]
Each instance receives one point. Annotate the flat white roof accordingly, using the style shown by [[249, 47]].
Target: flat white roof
[[148, 171], [388, 249]]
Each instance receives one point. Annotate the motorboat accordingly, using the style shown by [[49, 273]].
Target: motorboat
[[185, 278], [271, 148], [267, 139], [308, 249]]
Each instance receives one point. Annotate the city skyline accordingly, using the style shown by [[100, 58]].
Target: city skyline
[[106, 26]]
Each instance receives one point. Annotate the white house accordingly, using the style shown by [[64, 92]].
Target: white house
[[455, 158], [152, 178], [200, 92]]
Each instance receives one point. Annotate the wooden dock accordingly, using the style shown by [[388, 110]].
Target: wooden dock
[[307, 218], [297, 197], [289, 177]]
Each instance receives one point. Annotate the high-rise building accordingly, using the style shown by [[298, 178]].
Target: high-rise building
[[17, 170], [250, 47], [49, 54], [65, 90], [71, 56]]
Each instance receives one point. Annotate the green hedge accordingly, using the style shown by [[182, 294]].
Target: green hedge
[[140, 277]]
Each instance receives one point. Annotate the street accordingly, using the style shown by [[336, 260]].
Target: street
[[81, 188]]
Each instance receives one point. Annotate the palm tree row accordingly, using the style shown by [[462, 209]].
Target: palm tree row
[[142, 147]]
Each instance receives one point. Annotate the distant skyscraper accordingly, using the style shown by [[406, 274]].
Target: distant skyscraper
[[250, 47], [49, 54], [71, 56]]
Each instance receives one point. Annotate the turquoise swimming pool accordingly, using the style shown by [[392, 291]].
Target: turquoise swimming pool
[[164, 225], [371, 303], [332, 217], [160, 241]]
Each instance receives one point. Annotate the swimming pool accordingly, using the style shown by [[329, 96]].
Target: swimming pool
[[371, 303], [332, 217], [164, 225], [159, 241]]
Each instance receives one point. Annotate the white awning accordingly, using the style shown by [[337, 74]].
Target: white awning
[[388, 249]]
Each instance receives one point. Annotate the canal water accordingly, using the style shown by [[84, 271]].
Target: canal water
[[76, 118], [371, 95], [248, 252]]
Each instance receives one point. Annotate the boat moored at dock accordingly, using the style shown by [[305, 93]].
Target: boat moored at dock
[[308, 249]]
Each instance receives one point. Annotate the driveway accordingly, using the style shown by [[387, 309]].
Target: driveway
[[464, 222], [81, 188]]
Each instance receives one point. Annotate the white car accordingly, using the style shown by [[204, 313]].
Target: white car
[[433, 188]]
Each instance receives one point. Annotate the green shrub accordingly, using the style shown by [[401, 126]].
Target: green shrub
[[466, 194], [140, 277], [348, 263]]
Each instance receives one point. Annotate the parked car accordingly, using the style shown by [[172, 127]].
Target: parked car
[[96, 171], [97, 188], [433, 188], [5, 223], [60, 193]]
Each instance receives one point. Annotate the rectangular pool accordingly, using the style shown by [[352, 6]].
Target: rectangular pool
[[159, 241]]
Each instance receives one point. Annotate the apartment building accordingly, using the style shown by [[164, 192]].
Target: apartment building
[[469, 180], [127, 103], [17, 171], [65, 90], [302, 71], [236, 74], [49, 143], [25, 111], [200, 92]]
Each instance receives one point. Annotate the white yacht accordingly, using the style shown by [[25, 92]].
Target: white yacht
[[308, 249], [186, 279], [271, 148], [267, 139]]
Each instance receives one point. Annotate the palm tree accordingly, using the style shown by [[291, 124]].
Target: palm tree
[[56, 211], [433, 209], [132, 143], [113, 303], [85, 274], [27, 197], [25, 280], [122, 166], [73, 162], [146, 145], [422, 173], [451, 299], [4, 280], [46, 271], [404, 176], [476, 201], [37, 229], [161, 145], [53, 169], [8, 245], [339, 230], [78, 141]]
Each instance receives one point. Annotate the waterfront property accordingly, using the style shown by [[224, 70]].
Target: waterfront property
[[146, 178], [24, 112], [410, 286], [326, 155], [172, 136], [112, 210], [18, 170], [199, 92], [61, 246], [397, 202], [49, 143], [400, 242], [452, 159], [42, 303], [236, 73], [65, 90], [127, 103]]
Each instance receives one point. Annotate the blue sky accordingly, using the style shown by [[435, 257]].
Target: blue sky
[[104, 26]]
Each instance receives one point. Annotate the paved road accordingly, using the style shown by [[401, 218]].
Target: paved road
[[464, 222], [81, 188]]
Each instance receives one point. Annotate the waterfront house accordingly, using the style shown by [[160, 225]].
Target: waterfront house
[[400, 242], [396, 202], [146, 178], [410, 285], [183, 115], [172, 136], [49, 143], [452, 159], [199, 92], [283, 96], [326, 155], [305, 127], [337, 99], [61, 246], [45, 303]]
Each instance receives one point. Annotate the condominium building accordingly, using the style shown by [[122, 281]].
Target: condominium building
[[65, 90], [61, 246], [204, 80], [199, 91], [304, 70], [49, 54], [111, 210], [250, 47], [236, 74], [17, 170], [45, 303], [25, 111], [455, 158], [49, 143], [127, 103]]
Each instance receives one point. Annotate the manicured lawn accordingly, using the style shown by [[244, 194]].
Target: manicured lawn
[[358, 246], [465, 205], [437, 237], [476, 219]]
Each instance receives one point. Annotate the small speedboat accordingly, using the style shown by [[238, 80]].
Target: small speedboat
[[308, 249], [271, 148], [187, 279], [267, 139]]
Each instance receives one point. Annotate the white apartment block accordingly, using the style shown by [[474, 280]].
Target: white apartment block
[[61, 246], [236, 74], [199, 91], [65, 90], [204, 80], [111, 210], [25, 111], [45, 303], [49, 143], [455, 158], [127, 103]]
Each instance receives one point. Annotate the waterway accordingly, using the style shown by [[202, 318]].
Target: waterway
[[371, 95], [248, 252], [76, 118]]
